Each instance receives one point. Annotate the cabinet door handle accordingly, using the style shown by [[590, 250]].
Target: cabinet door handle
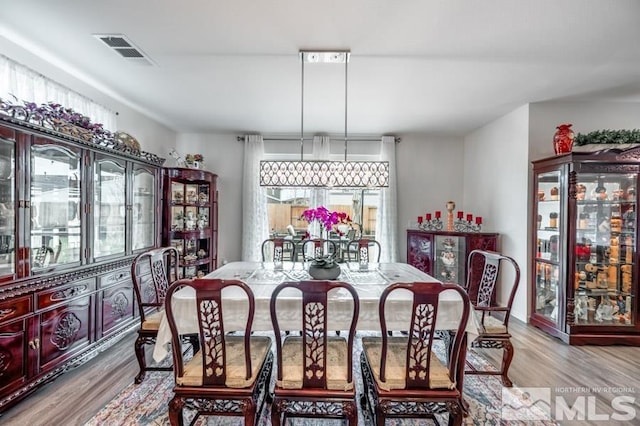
[[34, 344]]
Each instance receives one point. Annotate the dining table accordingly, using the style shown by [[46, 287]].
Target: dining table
[[262, 278]]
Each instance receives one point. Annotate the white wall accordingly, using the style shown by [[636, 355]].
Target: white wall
[[223, 155], [152, 135], [585, 117], [430, 173], [496, 168]]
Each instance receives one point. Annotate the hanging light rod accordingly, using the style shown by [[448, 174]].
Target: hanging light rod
[[323, 173], [397, 139]]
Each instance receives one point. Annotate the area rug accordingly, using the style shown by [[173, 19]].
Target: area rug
[[147, 403]]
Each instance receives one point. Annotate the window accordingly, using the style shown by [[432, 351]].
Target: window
[[285, 207]]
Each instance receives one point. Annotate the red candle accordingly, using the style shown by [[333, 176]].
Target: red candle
[[460, 214], [437, 214], [419, 219], [478, 220], [428, 216], [469, 217]]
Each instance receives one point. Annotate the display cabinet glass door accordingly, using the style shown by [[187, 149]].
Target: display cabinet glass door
[[606, 232], [143, 219], [109, 206], [548, 246], [7, 207], [55, 206], [450, 261]]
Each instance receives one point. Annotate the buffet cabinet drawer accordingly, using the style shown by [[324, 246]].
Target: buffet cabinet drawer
[[65, 293], [113, 278], [14, 308], [116, 307]]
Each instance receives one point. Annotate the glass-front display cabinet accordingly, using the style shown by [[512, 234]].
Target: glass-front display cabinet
[[190, 219], [585, 236], [75, 209]]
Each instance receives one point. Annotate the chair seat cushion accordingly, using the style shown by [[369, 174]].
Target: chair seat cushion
[[397, 364], [491, 324], [337, 364], [152, 322], [235, 368]]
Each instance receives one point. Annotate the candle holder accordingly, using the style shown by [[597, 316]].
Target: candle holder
[[431, 224], [426, 223], [462, 225]]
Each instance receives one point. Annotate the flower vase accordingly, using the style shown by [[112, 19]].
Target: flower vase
[[321, 273], [563, 139]]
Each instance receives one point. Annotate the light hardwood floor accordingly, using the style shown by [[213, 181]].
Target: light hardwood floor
[[540, 361]]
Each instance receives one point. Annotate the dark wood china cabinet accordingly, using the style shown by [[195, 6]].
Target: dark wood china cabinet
[[584, 270], [190, 219], [75, 209]]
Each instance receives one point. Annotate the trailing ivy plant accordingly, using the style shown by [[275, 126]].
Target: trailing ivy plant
[[608, 137]]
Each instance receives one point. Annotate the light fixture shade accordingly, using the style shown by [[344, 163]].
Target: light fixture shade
[[331, 174]]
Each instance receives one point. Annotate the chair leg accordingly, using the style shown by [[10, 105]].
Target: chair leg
[[175, 411], [142, 362], [456, 414], [380, 418], [352, 413], [275, 415], [506, 362], [249, 413]]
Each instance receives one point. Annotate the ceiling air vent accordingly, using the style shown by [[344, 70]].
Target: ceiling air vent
[[125, 48]]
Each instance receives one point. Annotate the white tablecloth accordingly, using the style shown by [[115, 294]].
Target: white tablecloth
[[262, 278]]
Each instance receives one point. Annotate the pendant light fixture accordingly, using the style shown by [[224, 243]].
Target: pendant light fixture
[[324, 173]]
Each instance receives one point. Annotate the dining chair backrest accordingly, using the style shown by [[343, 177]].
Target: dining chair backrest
[[485, 268], [426, 296], [363, 250], [314, 316], [211, 332], [277, 250], [317, 247], [152, 272]]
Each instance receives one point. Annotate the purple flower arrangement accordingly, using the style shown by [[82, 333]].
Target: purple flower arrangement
[[327, 219]]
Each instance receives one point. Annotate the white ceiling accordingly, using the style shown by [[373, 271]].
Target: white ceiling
[[419, 66]]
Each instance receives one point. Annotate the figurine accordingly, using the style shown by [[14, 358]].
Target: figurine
[[190, 221]]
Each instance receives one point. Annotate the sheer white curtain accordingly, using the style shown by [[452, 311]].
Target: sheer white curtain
[[255, 217], [387, 216], [319, 196], [23, 83]]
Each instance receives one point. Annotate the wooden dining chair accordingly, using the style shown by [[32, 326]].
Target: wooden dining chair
[[278, 250], [151, 272], [317, 247], [231, 373], [315, 377], [492, 319], [363, 251], [402, 376]]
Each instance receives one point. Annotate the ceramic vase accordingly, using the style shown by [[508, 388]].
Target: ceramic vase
[[563, 139], [320, 273]]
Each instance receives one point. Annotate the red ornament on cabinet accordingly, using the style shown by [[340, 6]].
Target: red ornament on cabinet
[[563, 139]]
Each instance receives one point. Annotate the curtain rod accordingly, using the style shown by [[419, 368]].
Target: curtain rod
[[397, 139]]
